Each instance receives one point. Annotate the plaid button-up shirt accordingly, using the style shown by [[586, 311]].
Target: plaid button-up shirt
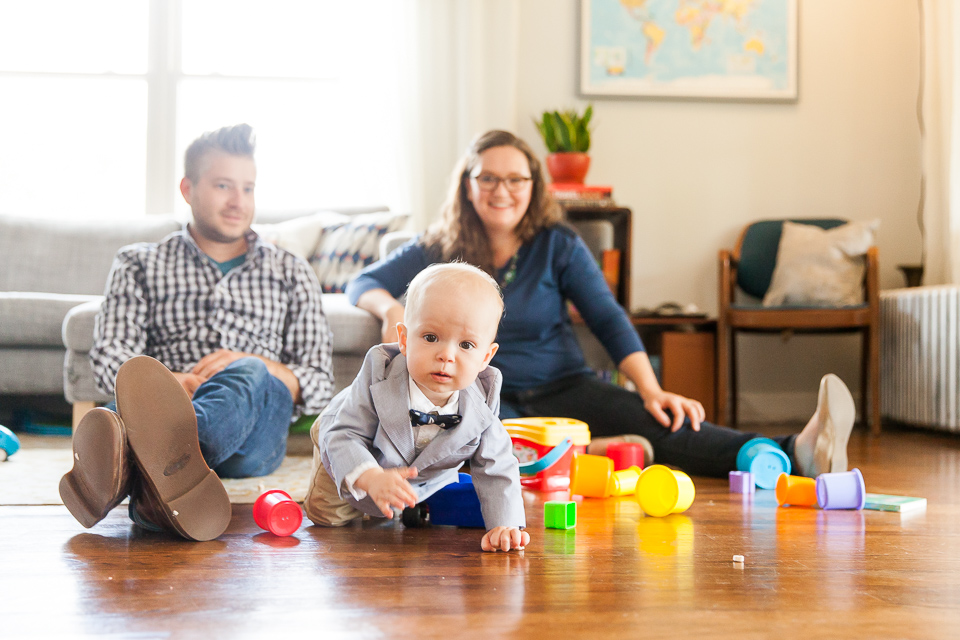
[[170, 301]]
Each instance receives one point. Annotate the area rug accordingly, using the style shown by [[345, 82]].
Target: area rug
[[32, 477]]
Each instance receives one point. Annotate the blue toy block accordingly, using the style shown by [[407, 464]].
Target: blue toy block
[[558, 514], [455, 505], [742, 482]]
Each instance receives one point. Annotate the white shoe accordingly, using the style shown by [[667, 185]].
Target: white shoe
[[835, 415]]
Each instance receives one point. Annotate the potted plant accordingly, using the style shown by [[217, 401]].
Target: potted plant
[[566, 135]]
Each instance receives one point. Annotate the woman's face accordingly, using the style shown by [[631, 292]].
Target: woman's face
[[501, 209]]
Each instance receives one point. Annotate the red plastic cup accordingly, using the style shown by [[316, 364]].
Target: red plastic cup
[[276, 512], [625, 455]]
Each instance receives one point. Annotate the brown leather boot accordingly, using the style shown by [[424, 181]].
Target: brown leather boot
[[145, 508], [162, 431], [100, 478]]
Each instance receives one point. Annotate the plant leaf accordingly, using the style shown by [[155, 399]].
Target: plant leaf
[[562, 131]]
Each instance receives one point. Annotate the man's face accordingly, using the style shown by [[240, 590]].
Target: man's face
[[222, 198], [449, 341]]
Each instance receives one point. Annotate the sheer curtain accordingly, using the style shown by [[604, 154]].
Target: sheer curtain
[[940, 129], [461, 67]]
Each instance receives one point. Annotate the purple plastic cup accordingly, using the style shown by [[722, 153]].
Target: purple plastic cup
[[841, 490]]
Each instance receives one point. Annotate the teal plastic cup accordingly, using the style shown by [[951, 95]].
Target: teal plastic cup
[[765, 460]]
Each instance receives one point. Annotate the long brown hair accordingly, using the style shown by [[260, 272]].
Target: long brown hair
[[459, 233]]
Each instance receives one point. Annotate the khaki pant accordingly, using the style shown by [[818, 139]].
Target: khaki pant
[[323, 503]]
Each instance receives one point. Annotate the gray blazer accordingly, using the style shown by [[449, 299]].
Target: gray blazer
[[370, 421]]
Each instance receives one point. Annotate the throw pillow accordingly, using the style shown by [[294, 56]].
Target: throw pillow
[[821, 267], [300, 236], [344, 250]]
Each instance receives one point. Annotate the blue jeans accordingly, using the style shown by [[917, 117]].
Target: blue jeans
[[243, 418], [610, 410]]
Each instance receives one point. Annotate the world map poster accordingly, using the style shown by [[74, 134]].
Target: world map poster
[[733, 49]]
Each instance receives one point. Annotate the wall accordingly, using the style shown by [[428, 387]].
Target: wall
[[695, 172]]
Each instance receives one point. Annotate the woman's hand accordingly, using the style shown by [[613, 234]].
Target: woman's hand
[[504, 539], [637, 368], [389, 488], [679, 406]]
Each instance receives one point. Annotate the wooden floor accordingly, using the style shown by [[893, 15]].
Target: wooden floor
[[808, 573]]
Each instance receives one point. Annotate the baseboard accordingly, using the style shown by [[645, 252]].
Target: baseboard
[[779, 407]]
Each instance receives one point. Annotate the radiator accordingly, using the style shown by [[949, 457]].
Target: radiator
[[920, 356]]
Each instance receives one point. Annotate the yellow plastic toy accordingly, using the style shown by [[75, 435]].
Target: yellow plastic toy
[[662, 491]]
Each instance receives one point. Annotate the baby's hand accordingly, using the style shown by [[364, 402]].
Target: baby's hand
[[389, 488], [504, 539]]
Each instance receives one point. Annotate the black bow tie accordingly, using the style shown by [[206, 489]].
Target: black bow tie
[[442, 420]]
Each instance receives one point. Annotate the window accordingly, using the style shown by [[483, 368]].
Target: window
[[99, 100]]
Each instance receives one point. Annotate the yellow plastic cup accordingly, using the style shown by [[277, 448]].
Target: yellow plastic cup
[[590, 475], [796, 490], [624, 482], [662, 491]]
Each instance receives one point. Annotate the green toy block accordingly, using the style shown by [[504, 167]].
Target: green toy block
[[559, 515]]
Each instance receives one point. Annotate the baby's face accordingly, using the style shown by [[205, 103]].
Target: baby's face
[[449, 341]]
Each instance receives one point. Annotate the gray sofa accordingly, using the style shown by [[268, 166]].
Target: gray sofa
[[52, 276]]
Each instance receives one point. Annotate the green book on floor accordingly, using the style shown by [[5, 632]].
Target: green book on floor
[[903, 504]]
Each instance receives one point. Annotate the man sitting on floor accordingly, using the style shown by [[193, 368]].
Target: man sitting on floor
[[239, 324]]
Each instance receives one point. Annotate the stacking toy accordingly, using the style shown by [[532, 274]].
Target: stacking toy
[[9, 443], [796, 490], [742, 482], [590, 475], [625, 455], [765, 460], [276, 512], [843, 490], [536, 438], [559, 515], [624, 483], [662, 491]]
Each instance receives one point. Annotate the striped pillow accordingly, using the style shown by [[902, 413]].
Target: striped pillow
[[345, 249]]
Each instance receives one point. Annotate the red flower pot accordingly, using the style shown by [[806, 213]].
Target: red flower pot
[[568, 166]]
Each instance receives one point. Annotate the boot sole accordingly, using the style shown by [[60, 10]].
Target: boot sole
[[99, 448], [162, 431]]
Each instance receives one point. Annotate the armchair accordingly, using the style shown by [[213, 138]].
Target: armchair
[[749, 267]]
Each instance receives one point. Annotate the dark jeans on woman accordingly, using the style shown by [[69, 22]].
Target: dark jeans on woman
[[610, 410]]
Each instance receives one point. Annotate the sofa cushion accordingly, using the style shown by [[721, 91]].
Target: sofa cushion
[[346, 249], [35, 319], [57, 256], [354, 330], [300, 236]]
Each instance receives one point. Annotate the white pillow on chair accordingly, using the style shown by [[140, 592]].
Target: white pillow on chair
[[821, 267]]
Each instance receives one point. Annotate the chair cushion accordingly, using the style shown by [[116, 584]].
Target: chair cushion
[[821, 267], [758, 252]]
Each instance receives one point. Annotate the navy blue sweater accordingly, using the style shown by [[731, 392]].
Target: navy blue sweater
[[537, 343]]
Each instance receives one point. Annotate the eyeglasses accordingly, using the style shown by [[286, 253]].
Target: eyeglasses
[[488, 182]]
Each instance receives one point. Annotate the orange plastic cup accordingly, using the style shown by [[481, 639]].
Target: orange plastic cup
[[624, 482], [590, 476], [662, 491], [796, 490]]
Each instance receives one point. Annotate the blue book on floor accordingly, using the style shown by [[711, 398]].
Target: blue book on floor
[[903, 504]]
